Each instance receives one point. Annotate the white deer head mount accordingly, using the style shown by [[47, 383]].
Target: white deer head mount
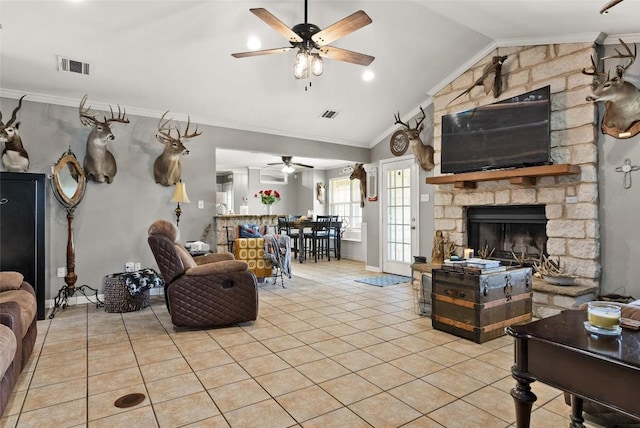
[[621, 117]]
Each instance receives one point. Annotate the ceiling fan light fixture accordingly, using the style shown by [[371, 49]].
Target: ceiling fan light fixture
[[317, 65], [288, 169], [301, 64], [254, 43]]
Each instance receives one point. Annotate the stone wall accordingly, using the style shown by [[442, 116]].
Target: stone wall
[[572, 228]]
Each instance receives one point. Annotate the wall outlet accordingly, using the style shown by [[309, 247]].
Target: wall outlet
[[571, 199], [128, 267], [137, 266], [201, 205], [62, 272]]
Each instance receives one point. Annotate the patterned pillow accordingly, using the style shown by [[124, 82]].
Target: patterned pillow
[[250, 231]]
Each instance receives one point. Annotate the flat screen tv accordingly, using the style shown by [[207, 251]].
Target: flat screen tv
[[511, 133]]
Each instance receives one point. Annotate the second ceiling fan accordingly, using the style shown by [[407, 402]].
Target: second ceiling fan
[[307, 37], [288, 166]]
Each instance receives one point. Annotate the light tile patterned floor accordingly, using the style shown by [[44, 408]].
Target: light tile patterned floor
[[325, 352]]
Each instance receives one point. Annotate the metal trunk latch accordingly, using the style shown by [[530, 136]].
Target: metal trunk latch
[[508, 288], [485, 286]]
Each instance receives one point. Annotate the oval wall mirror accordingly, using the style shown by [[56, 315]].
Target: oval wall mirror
[[69, 180]]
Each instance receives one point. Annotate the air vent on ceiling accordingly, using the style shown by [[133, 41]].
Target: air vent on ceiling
[[329, 114], [73, 66]]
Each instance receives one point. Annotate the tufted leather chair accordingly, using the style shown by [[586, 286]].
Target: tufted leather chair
[[206, 291]]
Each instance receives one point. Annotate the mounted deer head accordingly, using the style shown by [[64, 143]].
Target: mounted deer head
[[167, 168], [422, 152], [99, 163], [14, 157], [359, 173], [622, 99]]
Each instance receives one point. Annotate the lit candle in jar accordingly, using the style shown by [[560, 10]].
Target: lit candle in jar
[[603, 315], [468, 253]]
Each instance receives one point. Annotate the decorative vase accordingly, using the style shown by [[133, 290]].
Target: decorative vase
[[269, 209]]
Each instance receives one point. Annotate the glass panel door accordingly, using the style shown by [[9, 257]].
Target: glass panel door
[[399, 214]]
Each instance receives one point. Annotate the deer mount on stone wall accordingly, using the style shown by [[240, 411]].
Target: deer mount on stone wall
[[621, 117], [14, 157], [167, 168], [403, 138]]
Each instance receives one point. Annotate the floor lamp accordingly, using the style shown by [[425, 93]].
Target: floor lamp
[[179, 195]]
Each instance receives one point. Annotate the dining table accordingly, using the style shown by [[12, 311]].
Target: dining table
[[303, 224]]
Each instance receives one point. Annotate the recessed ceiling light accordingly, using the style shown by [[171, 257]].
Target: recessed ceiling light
[[368, 75], [254, 43]]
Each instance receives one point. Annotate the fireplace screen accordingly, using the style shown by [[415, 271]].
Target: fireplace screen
[[506, 231]]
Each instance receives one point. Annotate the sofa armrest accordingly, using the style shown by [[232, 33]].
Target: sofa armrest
[[213, 258], [224, 266]]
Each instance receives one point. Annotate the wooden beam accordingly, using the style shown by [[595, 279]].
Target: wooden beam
[[504, 174], [464, 184]]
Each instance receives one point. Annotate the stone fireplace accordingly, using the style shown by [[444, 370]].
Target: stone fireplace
[[568, 202], [508, 230]]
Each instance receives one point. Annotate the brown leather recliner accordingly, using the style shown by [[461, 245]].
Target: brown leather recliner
[[206, 291]]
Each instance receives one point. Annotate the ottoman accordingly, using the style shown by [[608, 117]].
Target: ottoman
[[118, 287]]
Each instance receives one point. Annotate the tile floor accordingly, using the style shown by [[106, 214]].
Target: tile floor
[[325, 352]]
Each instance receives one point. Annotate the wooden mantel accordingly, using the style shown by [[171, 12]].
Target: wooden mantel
[[524, 176]]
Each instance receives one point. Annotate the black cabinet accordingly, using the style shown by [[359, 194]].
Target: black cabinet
[[22, 216]]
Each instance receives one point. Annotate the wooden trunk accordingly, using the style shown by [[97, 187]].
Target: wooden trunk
[[480, 306]]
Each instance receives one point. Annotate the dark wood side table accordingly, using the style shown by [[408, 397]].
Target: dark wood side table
[[559, 352]]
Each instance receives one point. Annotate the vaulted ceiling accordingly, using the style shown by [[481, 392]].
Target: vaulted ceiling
[[152, 56]]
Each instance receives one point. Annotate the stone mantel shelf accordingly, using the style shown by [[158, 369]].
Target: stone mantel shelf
[[523, 176]]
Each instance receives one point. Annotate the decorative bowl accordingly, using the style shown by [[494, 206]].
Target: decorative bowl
[[559, 280]]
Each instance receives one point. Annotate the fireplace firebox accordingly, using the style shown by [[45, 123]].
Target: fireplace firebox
[[508, 230]]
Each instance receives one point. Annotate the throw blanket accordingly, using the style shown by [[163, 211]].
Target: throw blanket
[[141, 280], [278, 249]]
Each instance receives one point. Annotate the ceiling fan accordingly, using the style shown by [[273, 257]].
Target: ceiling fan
[[307, 37], [288, 166]]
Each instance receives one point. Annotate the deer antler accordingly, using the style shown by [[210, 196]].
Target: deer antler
[[164, 130], [594, 70], [186, 131], [86, 116], [632, 55], [424, 116], [418, 121], [398, 121], [122, 116]]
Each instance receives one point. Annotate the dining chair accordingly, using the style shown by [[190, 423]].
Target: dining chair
[[319, 237]]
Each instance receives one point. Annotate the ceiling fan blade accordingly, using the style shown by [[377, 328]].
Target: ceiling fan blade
[[345, 55], [276, 24], [609, 5], [302, 165], [262, 52], [347, 25]]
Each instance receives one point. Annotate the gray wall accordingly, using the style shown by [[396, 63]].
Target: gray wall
[[619, 207], [111, 222]]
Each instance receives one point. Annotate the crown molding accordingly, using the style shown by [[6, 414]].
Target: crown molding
[[102, 106]]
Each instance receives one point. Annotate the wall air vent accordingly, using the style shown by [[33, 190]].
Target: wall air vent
[[73, 66], [329, 114]]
